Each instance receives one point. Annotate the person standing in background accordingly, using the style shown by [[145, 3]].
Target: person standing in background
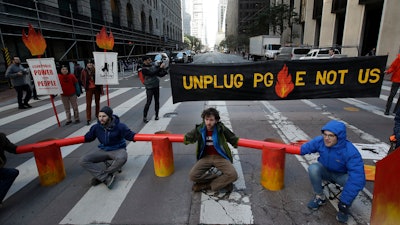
[[394, 69], [77, 72], [88, 78], [19, 79], [69, 96]]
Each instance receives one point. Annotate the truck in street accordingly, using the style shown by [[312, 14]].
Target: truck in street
[[264, 46]]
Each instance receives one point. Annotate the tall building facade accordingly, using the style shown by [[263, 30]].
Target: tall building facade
[[356, 26], [222, 7], [198, 25], [70, 26], [187, 16]]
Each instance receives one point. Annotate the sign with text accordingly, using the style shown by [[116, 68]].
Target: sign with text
[[45, 76], [106, 65], [353, 77]]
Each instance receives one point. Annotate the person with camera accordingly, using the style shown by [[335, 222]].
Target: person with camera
[[19, 79], [151, 72]]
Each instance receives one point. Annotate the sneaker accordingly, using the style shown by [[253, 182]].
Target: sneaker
[[342, 217], [22, 107], [88, 122], [109, 180], [27, 105], [315, 203], [77, 121], [95, 181], [197, 187], [68, 123], [156, 118], [386, 113], [145, 120]]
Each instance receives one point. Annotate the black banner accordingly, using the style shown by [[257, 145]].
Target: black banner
[[353, 77]]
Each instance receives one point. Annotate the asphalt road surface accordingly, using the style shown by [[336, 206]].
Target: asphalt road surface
[[140, 197]]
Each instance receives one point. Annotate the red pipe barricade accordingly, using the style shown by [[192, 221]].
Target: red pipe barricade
[[273, 168], [49, 164]]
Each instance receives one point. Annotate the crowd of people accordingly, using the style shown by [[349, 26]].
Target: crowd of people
[[338, 162]]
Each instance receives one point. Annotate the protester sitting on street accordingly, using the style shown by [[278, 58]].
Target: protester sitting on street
[[69, 97], [112, 135], [213, 169], [7, 175], [18, 75], [339, 162]]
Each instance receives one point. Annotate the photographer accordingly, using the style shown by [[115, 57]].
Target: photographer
[[151, 72]]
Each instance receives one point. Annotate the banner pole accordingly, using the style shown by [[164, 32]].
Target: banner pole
[[55, 110]]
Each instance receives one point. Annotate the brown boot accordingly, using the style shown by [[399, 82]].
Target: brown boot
[[201, 187]]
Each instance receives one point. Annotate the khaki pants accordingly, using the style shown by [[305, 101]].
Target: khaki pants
[[70, 101], [199, 172]]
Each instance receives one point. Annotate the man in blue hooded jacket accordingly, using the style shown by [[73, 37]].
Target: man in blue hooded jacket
[[112, 136], [339, 162]]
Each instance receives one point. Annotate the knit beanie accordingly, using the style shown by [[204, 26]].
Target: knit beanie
[[107, 110]]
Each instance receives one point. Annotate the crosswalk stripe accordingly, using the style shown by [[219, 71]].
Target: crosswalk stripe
[[237, 208], [28, 170], [43, 124], [290, 132], [103, 211]]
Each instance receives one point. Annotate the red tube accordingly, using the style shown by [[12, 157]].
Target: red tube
[[291, 149], [149, 137], [59, 142]]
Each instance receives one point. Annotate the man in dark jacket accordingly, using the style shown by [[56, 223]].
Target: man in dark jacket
[[19, 78], [151, 73], [339, 162], [7, 175], [112, 136], [213, 169]]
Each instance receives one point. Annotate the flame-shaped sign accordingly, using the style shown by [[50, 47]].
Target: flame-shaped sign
[[284, 83], [34, 41], [103, 40]]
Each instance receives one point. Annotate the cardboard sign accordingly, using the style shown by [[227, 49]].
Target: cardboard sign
[[106, 65], [45, 76]]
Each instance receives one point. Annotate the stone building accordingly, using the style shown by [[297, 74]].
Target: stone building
[[70, 26]]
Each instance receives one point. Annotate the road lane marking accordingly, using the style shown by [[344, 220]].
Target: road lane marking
[[361, 207], [103, 211], [28, 170], [237, 208]]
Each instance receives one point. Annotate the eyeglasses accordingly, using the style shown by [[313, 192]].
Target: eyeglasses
[[329, 136]]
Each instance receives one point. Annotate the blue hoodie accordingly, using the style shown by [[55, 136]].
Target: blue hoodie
[[343, 157], [111, 137]]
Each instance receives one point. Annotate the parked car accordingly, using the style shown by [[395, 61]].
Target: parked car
[[322, 53], [284, 53], [190, 55], [179, 57], [159, 57], [292, 53], [299, 52]]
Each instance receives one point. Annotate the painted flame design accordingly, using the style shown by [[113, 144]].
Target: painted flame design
[[34, 41], [105, 41], [284, 83]]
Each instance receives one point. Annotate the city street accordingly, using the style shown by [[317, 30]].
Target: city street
[[140, 197]]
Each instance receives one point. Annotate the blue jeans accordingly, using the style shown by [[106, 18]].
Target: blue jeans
[[317, 173], [7, 177]]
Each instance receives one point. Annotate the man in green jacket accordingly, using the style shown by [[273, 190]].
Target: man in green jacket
[[213, 169]]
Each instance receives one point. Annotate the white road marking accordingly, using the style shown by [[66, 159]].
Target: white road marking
[[237, 208], [28, 169], [102, 210]]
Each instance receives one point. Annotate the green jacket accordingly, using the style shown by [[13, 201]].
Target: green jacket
[[221, 136]]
